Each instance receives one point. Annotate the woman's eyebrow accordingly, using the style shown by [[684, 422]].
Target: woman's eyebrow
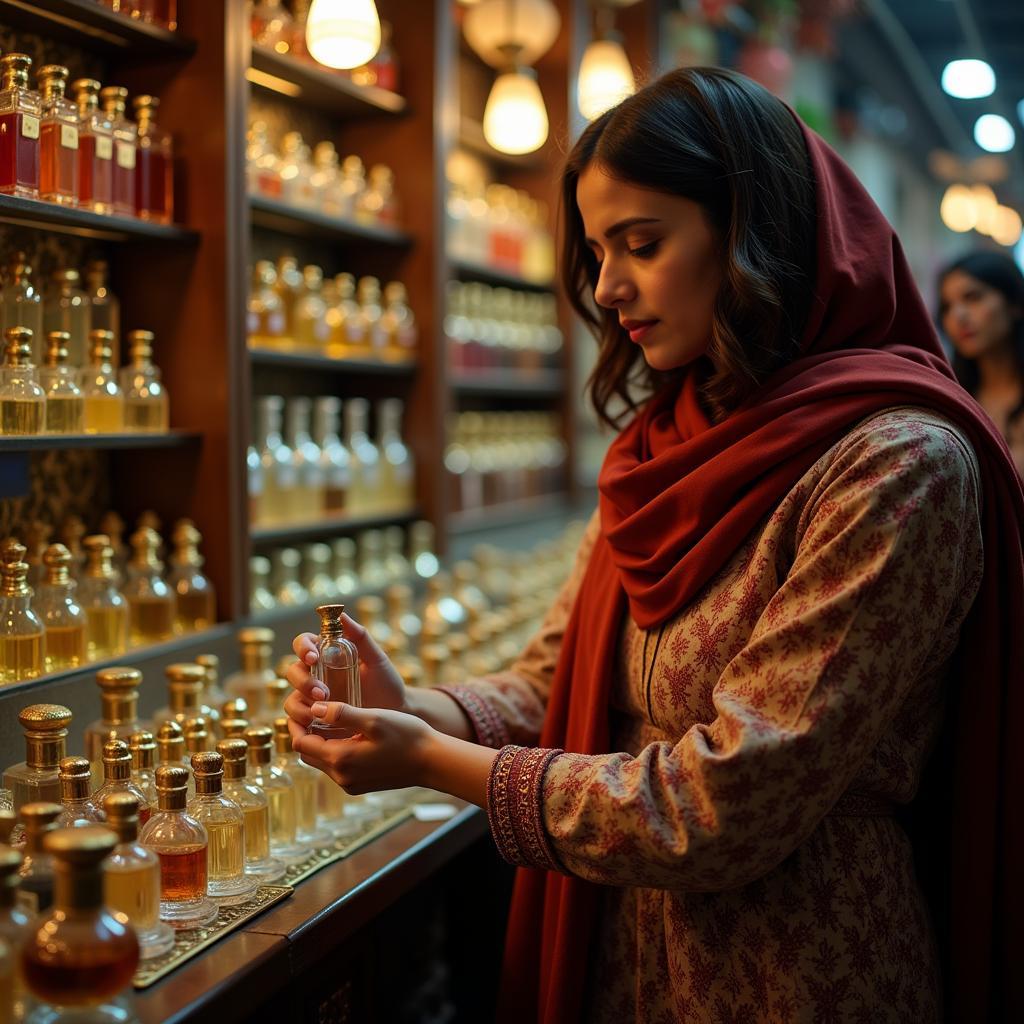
[[622, 225]]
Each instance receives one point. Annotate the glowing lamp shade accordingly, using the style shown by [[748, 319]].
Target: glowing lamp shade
[[1006, 225], [605, 78], [968, 79], [342, 33], [515, 118], [959, 211], [994, 133], [985, 206]]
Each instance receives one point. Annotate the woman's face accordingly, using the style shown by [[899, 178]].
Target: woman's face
[[977, 317], [659, 265]]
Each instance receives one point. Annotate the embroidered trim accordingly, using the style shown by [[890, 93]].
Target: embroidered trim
[[489, 727], [514, 791]]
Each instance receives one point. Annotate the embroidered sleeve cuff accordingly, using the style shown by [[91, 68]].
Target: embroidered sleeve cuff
[[514, 809], [490, 728]]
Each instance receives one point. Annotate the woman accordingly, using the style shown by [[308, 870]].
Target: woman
[[697, 759], [981, 310]]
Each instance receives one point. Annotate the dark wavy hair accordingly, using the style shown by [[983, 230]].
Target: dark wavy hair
[[998, 271], [721, 140]]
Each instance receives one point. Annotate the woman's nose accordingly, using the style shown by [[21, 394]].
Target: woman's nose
[[613, 288]]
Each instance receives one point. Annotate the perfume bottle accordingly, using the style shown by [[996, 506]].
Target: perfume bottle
[[368, 297], [181, 843], [58, 138], [185, 683], [320, 584], [343, 565], [117, 778], [35, 885], [280, 479], [80, 959], [350, 336], [113, 526], [337, 666], [310, 329], [65, 407], [256, 648], [106, 610], [396, 484], [119, 718], [78, 808], [197, 739], [395, 562], [288, 287], [154, 167], [195, 599], [421, 549], [308, 494], [364, 498], [20, 302], [335, 463], [398, 323], [280, 793], [372, 570], [146, 405], [262, 164], [296, 172], [114, 99], [260, 597], [353, 184], [142, 747], [103, 399], [104, 305], [265, 318], [35, 779], [15, 923], [304, 780], [224, 823], [20, 111], [377, 203], [150, 601], [64, 621], [21, 629], [288, 588], [213, 695], [327, 178], [66, 308], [95, 149], [131, 877], [234, 728], [22, 400]]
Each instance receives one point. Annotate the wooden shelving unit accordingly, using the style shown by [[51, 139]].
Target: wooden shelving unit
[[264, 536], [509, 383], [468, 270], [100, 442], [327, 364], [290, 220]]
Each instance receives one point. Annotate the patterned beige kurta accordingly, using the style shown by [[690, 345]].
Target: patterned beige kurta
[[752, 871]]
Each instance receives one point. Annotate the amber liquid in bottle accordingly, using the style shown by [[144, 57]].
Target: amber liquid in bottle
[[100, 969], [305, 800], [65, 647], [58, 165], [226, 851], [128, 890], [183, 873], [282, 814], [145, 417], [257, 832], [152, 186], [108, 632], [105, 414], [17, 417], [150, 619], [64, 416], [20, 656], [195, 610]]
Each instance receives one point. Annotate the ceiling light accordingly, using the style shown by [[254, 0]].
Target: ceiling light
[[968, 79], [985, 204], [994, 133], [342, 34], [958, 210], [605, 79], [515, 119], [492, 24], [1006, 226]]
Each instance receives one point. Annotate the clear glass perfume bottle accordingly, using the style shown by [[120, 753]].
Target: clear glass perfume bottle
[[335, 462], [106, 610], [142, 747], [213, 695], [256, 649], [262, 164], [261, 599], [117, 778], [265, 317], [397, 485], [343, 565], [22, 400], [65, 408], [304, 779], [311, 330], [104, 400], [195, 599], [58, 138], [280, 793], [337, 666], [146, 405], [288, 588], [368, 297], [80, 960], [15, 925], [150, 600], [181, 844], [21, 303], [224, 822], [364, 497], [308, 494], [21, 629], [154, 166], [104, 305], [114, 99], [66, 308], [185, 684], [280, 479], [35, 885], [399, 324], [119, 718], [131, 877], [78, 808], [95, 149], [170, 748], [72, 530], [20, 110], [35, 779], [63, 620]]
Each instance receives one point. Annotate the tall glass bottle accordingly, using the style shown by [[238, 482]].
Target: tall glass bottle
[[65, 407], [78, 807], [113, 526], [197, 738], [288, 287], [180, 842], [195, 599], [334, 458], [131, 877], [104, 305], [146, 405], [20, 110], [224, 823], [256, 649], [397, 481], [21, 629], [117, 778], [304, 779], [80, 960], [150, 601], [63, 619], [311, 330], [143, 750], [22, 304], [114, 99], [308, 495], [154, 168], [106, 610], [368, 297], [22, 400], [58, 138], [399, 324], [119, 718], [364, 498], [95, 149], [337, 665], [185, 683], [15, 923], [46, 728], [103, 399], [280, 792], [265, 318], [35, 885], [66, 308], [213, 695], [280, 478]]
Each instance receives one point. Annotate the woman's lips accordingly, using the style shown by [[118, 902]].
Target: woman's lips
[[638, 329]]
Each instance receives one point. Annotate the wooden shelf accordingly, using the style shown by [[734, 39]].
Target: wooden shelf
[[107, 442], [468, 270], [471, 137], [267, 536], [91, 26], [327, 364], [305, 83], [511, 383], [290, 220], [495, 517]]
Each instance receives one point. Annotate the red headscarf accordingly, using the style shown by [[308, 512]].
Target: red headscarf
[[679, 494]]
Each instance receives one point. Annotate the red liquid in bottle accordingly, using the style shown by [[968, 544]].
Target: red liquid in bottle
[[95, 175], [153, 186], [58, 166], [124, 179], [19, 157]]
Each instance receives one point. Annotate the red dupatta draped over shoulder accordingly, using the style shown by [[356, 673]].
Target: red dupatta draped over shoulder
[[679, 494]]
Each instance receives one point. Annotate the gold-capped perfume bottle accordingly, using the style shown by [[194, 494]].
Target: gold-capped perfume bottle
[[119, 718], [197, 738], [337, 665], [304, 778], [181, 843], [65, 407], [225, 825], [35, 885], [146, 405], [256, 648], [280, 792], [126, 140], [143, 750], [131, 877], [22, 399], [234, 728], [104, 305], [35, 779], [117, 778], [78, 808], [20, 108], [154, 168], [80, 960], [213, 695], [186, 682], [15, 923], [255, 807], [150, 600], [106, 610], [66, 308], [58, 138], [72, 530], [113, 526], [95, 149], [22, 305], [22, 642], [170, 747], [63, 620], [194, 596], [104, 400], [37, 539]]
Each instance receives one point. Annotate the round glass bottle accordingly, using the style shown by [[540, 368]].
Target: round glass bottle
[[106, 610], [280, 793], [21, 629], [63, 620], [65, 407], [150, 601], [194, 596], [78, 808], [22, 399], [337, 665], [146, 405], [117, 778], [103, 399]]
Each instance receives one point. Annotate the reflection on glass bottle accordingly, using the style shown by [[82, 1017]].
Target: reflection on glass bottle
[[63, 620], [114, 99], [78, 808], [58, 138], [146, 405], [22, 305], [195, 600], [104, 400], [95, 149], [35, 887], [280, 794], [21, 629], [154, 166], [106, 610], [20, 110], [65, 408], [22, 400], [46, 729], [150, 601], [337, 666], [335, 463]]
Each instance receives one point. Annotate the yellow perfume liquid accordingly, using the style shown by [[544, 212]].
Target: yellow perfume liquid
[[150, 619], [21, 417], [65, 415], [195, 610], [257, 832], [130, 889], [305, 800], [282, 814], [21, 657], [330, 798], [145, 417], [104, 415], [65, 647], [225, 855], [106, 633]]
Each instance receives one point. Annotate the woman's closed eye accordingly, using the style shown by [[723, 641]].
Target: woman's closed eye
[[646, 250]]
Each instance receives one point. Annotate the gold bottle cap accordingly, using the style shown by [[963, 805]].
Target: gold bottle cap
[[16, 68], [171, 778], [17, 346], [83, 846], [39, 816], [145, 105], [260, 739], [74, 774], [7, 820], [45, 719], [122, 810], [195, 734], [330, 613], [282, 737], [207, 764], [99, 557], [237, 707], [171, 740], [114, 93], [234, 750], [185, 673], [211, 665], [117, 755], [143, 749], [276, 690], [57, 348], [13, 569], [233, 727], [118, 679], [145, 545], [53, 78], [255, 635], [101, 343], [57, 560]]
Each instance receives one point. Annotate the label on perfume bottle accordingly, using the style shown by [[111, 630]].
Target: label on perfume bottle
[[104, 147], [69, 136], [125, 155], [29, 126]]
